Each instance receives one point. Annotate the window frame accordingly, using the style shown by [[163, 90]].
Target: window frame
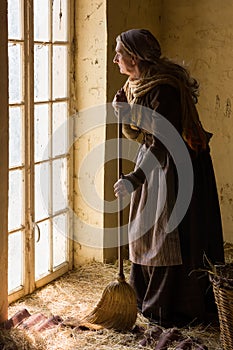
[[30, 226]]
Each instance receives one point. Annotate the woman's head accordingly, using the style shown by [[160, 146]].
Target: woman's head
[[127, 62], [136, 51], [141, 44], [140, 49]]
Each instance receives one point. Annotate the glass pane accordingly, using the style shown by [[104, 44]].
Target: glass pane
[[41, 20], [60, 20], [15, 199], [42, 250], [59, 71], [15, 136], [15, 73], [60, 240], [59, 128], [15, 260], [41, 132], [41, 191], [59, 184], [41, 73], [14, 19]]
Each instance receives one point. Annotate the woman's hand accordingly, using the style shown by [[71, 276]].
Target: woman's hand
[[120, 96], [123, 187], [121, 106]]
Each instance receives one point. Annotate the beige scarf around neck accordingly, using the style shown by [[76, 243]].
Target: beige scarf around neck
[[193, 132]]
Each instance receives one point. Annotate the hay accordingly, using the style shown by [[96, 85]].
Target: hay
[[72, 297], [16, 339]]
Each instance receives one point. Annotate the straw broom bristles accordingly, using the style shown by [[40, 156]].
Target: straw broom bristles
[[117, 308]]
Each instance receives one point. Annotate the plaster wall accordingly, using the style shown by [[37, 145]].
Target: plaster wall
[[90, 91], [200, 34], [196, 33]]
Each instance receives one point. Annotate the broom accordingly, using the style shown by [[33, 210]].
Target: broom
[[117, 308]]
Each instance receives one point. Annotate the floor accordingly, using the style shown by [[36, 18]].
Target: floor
[[73, 296]]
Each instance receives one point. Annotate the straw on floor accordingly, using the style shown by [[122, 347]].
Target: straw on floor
[[72, 297]]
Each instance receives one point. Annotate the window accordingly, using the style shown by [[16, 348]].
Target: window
[[39, 156]]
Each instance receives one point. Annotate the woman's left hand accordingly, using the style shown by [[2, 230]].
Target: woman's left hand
[[121, 106], [122, 187]]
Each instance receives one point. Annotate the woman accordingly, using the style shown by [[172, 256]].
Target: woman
[[166, 264]]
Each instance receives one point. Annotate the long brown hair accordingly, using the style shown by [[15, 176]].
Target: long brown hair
[[165, 66]]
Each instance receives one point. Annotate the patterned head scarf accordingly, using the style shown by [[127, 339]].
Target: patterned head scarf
[[141, 43]]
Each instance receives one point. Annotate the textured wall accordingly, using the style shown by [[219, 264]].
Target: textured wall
[[200, 33], [196, 33], [90, 83]]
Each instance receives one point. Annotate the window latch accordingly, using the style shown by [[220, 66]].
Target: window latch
[[34, 226]]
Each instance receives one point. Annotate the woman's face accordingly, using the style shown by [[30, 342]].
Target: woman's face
[[126, 63]]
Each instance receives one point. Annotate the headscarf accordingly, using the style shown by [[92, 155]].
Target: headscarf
[[142, 44]]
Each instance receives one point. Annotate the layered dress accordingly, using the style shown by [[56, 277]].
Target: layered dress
[[167, 264]]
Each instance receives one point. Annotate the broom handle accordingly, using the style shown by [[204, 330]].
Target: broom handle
[[120, 200]]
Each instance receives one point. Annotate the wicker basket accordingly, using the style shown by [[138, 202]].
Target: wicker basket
[[222, 280]]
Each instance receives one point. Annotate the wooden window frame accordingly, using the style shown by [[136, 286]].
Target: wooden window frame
[[29, 282]]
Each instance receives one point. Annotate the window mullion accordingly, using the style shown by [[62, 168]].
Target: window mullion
[[71, 109], [51, 134], [29, 147]]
